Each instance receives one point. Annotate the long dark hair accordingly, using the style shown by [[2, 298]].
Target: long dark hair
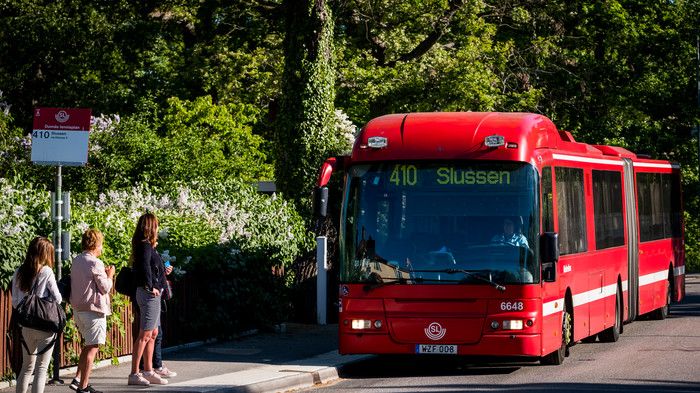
[[39, 254], [146, 231]]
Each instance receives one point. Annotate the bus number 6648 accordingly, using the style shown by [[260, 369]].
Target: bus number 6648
[[512, 306]]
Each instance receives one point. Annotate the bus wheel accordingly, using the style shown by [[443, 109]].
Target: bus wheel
[[557, 357], [612, 334], [662, 313]]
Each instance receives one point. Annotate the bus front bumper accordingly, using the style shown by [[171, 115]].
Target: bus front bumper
[[506, 345]]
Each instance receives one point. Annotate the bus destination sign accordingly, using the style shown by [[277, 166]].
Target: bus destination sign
[[411, 175]]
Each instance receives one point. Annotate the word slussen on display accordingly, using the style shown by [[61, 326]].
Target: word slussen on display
[[407, 175]]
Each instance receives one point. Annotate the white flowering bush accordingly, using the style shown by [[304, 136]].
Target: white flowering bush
[[231, 216], [24, 213], [347, 131]]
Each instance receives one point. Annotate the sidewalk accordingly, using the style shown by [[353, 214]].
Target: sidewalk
[[302, 356]]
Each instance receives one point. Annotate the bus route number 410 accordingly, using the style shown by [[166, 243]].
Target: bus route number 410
[[437, 349]]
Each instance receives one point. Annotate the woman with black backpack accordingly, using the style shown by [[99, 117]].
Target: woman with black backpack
[[35, 275]]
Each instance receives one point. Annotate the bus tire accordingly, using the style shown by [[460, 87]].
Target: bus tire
[[661, 313], [557, 357], [612, 334]]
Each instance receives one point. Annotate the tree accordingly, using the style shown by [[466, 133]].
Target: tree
[[305, 133]]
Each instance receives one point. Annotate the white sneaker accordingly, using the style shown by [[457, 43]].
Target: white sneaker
[[138, 379], [154, 378], [164, 372]]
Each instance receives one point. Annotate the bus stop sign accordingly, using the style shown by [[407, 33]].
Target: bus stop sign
[[60, 136]]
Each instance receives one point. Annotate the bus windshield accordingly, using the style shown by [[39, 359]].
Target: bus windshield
[[439, 223]]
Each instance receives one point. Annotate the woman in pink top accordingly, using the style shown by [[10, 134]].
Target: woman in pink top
[[90, 285]]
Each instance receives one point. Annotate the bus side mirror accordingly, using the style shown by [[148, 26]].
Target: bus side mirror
[[321, 201], [549, 255]]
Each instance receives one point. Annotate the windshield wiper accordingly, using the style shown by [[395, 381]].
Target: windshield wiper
[[478, 277], [468, 273]]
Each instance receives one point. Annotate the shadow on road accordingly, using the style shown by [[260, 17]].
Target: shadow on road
[[689, 307], [388, 366]]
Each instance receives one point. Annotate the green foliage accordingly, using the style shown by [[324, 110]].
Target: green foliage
[[305, 129], [186, 141], [217, 137], [110, 55]]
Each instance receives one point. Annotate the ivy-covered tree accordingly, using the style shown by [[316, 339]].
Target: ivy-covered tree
[[305, 132]]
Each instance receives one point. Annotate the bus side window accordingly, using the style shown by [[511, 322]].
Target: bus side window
[[547, 200], [571, 212]]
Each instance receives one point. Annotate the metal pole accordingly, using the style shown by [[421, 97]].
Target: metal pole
[[321, 256], [59, 221], [59, 253]]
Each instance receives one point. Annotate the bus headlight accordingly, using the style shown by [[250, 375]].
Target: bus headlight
[[514, 324], [360, 324]]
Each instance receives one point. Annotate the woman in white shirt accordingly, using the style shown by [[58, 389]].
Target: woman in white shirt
[[36, 272]]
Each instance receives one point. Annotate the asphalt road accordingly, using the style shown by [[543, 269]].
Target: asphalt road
[[651, 356]]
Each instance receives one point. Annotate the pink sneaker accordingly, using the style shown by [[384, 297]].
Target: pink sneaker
[[165, 372], [138, 379], [154, 378]]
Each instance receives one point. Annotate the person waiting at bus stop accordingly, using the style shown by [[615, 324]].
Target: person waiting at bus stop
[[91, 283], [510, 235]]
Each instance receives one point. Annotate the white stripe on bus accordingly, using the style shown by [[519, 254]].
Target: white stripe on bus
[[585, 159], [594, 295], [652, 278], [583, 298]]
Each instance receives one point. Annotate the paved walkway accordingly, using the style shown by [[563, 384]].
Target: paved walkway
[[300, 357]]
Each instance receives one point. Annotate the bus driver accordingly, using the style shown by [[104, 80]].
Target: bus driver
[[510, 235], [513, 237]]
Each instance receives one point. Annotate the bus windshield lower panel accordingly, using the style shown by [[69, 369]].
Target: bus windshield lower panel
[[437, 223]]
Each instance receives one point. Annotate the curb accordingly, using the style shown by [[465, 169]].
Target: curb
[[285, 383], [299, 381]]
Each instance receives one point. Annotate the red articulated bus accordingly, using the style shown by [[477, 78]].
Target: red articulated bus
[[497, 234]]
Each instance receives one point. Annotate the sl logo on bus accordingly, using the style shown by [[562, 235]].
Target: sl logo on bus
[[435, 331]]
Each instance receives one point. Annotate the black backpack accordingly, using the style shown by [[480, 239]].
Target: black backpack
[[125, 282]]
